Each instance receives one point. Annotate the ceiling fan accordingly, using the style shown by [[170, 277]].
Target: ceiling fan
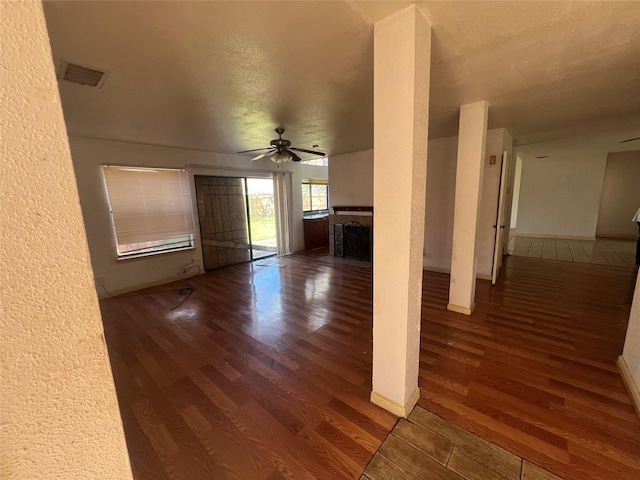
[[281, 150]]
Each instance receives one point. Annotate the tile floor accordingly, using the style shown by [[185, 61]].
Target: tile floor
[[426, 446], [600, 251]]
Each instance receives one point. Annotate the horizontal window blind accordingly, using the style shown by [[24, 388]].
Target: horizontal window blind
[[151, 208], [315, 181]]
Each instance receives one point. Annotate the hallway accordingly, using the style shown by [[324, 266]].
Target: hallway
[[265, 370], [602, 251]]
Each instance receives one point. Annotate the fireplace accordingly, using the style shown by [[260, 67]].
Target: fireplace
[[355, 241], [351, 236]]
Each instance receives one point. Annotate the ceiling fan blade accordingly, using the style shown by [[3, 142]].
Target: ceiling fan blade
[[255, 150], [307, 151], [294, 157], [266, 154]]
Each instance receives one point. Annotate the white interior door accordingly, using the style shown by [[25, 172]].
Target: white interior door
[[499, 226]]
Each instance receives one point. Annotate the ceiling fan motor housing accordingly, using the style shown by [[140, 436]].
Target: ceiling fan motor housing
[[280, 143]]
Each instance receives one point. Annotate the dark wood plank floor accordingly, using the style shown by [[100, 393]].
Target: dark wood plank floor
[[265, 371], [533, 369]]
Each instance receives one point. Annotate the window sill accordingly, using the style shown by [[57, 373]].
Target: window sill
[[153, 254]]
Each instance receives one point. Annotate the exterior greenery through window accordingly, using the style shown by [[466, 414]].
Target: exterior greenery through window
[[315, 196], [150, 209]]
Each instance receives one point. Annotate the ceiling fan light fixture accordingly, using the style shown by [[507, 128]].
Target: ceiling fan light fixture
[[281, 157]]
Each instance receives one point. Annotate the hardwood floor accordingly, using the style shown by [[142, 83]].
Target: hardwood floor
[[602, 251], [265, 371], [533, 369]]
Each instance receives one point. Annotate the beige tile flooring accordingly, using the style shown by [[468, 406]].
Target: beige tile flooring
[[428, 447], [599, 251]]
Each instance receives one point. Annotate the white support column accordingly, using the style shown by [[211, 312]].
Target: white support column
[[472, 139], [402, 56]]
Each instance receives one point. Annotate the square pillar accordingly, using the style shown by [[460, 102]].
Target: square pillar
[[472, 138], [402, 56]]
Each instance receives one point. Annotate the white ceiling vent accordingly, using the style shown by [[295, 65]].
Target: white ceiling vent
[[75, 73]]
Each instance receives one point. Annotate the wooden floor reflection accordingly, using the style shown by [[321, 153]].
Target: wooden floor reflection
[[265, 371]]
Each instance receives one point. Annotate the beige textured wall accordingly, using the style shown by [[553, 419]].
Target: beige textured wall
[[631, 353], [620, 198], [60, 418], [351, 179]]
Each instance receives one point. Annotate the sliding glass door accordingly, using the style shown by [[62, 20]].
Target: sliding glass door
[[262, 217], [237, 219]]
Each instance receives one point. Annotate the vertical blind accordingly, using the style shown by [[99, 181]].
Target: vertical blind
[[151, 208]]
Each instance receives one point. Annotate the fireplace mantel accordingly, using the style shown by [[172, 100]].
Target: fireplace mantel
[[353, 210]]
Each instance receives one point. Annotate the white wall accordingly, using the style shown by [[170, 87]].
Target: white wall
[[441, 184], [351, 179], [60, 416], [314, 171], [560, 195], [88, 157], [631, 352], [441, 189], [620, 197], [516, 193]]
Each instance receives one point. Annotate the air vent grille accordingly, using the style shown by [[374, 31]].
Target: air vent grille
[[92, 77]]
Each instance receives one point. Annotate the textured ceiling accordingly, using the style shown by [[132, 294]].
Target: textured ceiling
[[220, 76]]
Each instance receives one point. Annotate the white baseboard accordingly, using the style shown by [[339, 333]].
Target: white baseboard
[[461, 309], [565, 237], [629, 383], [102, 293], [393, 407], [429, 268], [436, 269]]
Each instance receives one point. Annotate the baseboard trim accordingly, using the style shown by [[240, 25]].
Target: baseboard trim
[[565, 237], [393, 407], [480, 276], [102, 293], [629, 383], [436, 269], [461, 309]]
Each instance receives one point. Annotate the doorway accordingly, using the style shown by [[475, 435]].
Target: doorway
[[237, 219], [261, 217]]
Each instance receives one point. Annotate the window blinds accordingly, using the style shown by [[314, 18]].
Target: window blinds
[[150, 207]]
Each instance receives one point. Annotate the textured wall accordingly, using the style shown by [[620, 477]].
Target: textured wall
[[60, 417], [620, 197], [351, 179], [441, 189], [631, 351]]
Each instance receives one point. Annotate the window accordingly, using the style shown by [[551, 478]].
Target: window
[[315, 195], [150, 209], [321, 162]]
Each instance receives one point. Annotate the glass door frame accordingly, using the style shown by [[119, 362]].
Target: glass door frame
[[248, 207]]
